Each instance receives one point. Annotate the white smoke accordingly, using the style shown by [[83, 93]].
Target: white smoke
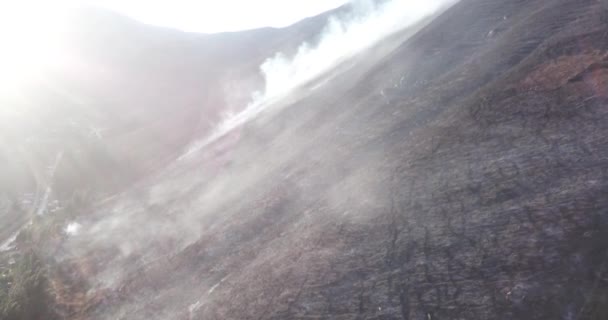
[[73, 228], [343, 37]]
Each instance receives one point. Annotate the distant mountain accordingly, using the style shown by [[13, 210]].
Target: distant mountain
[[133, 98]]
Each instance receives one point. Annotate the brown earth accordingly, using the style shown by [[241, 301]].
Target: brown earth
[[457, 174]]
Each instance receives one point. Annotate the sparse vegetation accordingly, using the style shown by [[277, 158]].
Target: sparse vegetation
[[24, 289], [24, 271]]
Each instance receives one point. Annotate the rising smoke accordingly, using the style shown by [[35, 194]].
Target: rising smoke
[[344, 36], [133, 227]]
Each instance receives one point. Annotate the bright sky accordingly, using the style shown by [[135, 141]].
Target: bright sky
[[31, 30], [219, 15]]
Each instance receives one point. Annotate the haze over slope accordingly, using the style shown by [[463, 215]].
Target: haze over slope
[[455, 168], [345, 34]]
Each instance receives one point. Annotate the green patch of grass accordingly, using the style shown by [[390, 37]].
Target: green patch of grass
[[24, 289]]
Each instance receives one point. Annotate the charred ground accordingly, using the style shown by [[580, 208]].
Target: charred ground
[[456, 174]]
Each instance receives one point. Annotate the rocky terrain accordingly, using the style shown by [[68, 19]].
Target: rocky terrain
[[454, 170]]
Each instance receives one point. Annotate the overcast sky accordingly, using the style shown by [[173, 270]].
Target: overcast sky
[[219, 15]]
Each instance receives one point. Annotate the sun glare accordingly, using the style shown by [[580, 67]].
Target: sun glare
[[30, 40], [210, 16]]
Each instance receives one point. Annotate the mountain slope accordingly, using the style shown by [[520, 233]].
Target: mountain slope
[[129, 102], [456, 173]]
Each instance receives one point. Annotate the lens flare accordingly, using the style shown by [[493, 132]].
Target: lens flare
[[30, 40]]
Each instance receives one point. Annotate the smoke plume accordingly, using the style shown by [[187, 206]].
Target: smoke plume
[[344, 36]]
